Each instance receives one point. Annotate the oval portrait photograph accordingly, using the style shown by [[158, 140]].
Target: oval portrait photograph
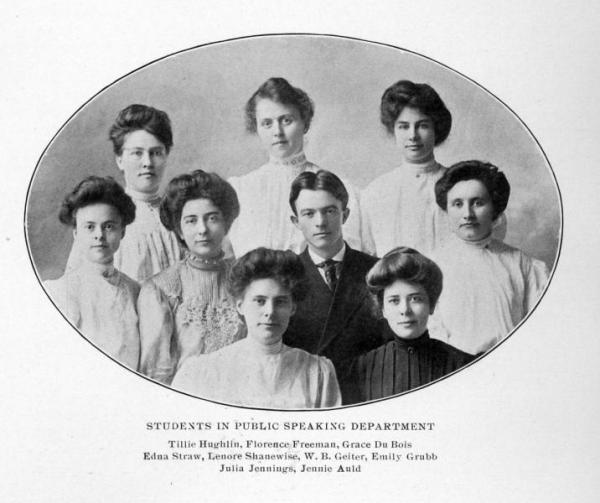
[[294, 222]]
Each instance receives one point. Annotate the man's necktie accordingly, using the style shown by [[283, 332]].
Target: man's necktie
[[329, 268]]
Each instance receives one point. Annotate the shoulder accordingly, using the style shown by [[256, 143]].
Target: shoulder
[[130, 284], [452, 354], [168, 280], [383, 182], [253, 176], [358, 259], [308, 360]]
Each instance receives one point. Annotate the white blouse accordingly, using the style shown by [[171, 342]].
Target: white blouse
[[185, 310], [249, 374], [489, 287], [265, 209], [100, 302], [148, 247], [399, 209]]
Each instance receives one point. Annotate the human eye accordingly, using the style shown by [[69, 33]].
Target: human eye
[[89, 227], [214, 218], [394, 301], [417, 299], [266, 123], [286, 120], [402, 125], [260, 301], [158, 153], [308, 213], [109, 226], [136, 152], [457, 203]]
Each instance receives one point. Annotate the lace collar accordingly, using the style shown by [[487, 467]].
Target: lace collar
[[296, 162], [260, 349], [208, 264], [418, 169], [152, 199], [479, 244], [107, 271]]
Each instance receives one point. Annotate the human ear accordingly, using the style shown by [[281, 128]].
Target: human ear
[[238, 306], [293, 309], [345, 215], [119, 161], [294, 220]]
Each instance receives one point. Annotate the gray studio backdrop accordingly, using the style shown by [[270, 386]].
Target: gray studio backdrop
[[204, 91]]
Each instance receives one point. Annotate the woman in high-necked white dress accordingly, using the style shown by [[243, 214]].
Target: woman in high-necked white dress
[[489, 286], [399, 206], [142, 139], [185, 310], [280, 115], [95, 297], [261, 371]]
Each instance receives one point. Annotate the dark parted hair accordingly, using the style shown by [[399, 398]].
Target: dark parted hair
[[95, 190], [283, 266], [494, 180], [424, 98], [197, 185], [281, 91], [136, 117], [321, 180], [407, 265]]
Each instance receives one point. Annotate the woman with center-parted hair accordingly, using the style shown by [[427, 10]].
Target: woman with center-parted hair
[[280, 115], [185, 310], [142, 139], [407, 286], [95, 297], [489, 286], [399, 206], [261, 371]]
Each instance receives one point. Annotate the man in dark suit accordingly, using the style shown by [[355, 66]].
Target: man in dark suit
[[338, 319]]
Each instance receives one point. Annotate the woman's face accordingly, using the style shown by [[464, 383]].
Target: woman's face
[[406, 309], [267, 307], [470, 210], [98, 232], [203, 227], [415, 136], [143, 160], [279, 127]]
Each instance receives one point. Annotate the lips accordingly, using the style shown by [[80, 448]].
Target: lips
[[147, 174]]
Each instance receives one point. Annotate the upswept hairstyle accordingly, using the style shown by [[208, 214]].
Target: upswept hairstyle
[[407, 265], [197, 185], [494, 180], [424, 98], [136, 117], [321, 180], [95, 190], [283, 266], [281, 91]]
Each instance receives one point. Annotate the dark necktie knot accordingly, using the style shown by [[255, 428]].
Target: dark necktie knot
[[329, 267]]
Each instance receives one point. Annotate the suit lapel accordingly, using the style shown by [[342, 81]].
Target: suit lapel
[[347, 299]]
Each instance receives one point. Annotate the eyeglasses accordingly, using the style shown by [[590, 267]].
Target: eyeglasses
[[153, 153]]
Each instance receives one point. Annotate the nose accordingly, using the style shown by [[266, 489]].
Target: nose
[[278, 131], [146, 158], [201, 227], [413, 132], [404, 306], [468, 211], [320, 219], [267, 310], [99, 233]]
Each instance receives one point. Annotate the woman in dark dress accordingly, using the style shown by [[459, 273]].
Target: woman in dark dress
[[407, 286]]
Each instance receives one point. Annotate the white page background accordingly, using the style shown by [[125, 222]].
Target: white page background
[[521, 425]]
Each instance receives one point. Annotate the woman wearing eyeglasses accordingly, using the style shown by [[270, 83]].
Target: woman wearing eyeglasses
[[142, 139]]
